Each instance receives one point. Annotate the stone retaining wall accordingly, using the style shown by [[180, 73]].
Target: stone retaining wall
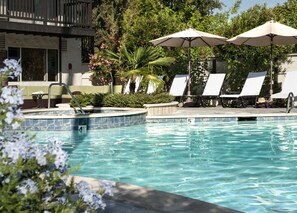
[[161, 109]]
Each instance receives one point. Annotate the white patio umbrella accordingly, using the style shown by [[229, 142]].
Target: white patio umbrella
[[270, 33], [189, 38]]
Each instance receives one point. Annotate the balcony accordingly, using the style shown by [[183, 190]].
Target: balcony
[[68, 18]]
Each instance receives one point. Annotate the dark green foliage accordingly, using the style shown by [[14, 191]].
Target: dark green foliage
[[122, 100], [135, 100], [88, 99]]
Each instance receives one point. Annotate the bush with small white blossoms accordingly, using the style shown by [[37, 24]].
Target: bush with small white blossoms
[[34, 178]]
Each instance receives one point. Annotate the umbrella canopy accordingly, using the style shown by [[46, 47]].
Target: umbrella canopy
[[267, 34], [189, 38]]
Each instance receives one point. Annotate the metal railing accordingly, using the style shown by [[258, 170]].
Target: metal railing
[[68, 91], [48, 12]]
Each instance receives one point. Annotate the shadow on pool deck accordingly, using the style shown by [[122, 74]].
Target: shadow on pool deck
[[134, 199]]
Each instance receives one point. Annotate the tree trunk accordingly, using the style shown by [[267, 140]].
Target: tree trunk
[[132, 87]]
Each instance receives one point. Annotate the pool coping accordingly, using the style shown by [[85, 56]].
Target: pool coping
[[55, 119], [121, 112], [136, 199], [183, 114]]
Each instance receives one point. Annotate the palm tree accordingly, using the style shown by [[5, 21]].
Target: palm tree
[[144, 61]]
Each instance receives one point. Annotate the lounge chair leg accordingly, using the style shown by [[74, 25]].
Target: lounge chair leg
[[222, 102], [242, 102], [202, 102], [290, 102]]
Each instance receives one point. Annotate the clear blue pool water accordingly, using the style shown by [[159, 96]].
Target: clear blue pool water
[[251, 167]]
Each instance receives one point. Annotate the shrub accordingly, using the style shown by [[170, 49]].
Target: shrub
[[32, 177], [123, 100], [88, 99]]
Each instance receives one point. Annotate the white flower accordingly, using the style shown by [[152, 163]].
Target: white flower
[[54, 148], [107, 186], [13, 66], [26, 187], [9, 117], [91, 198]]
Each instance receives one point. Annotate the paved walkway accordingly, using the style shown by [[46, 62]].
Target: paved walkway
[[135, 199]]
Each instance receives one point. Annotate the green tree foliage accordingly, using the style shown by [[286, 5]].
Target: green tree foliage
[[205, 7], [143, 61], [133, 23], [107, 21], [243, 59], [286, 14]]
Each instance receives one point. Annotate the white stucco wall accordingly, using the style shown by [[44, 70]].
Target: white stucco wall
[[292, 64], [287, 67], [72, 56]]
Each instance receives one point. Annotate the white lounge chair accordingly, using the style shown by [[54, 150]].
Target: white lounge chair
[[289, 90], [178, 85], [213, 87], [137, 83], [152, 86], [251, 88]]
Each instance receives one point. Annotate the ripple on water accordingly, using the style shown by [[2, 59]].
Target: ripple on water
[[250, 167]]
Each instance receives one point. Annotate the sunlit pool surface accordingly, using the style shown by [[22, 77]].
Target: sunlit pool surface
[[251, 167]]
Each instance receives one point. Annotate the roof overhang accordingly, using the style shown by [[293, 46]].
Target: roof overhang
[[46, 30]]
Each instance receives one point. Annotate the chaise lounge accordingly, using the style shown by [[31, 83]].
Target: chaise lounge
[[289, 90], [178, 86], [213, 87], [251, 88]]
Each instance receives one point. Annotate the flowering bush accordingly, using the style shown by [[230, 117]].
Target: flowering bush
[[35, 178], [101, 67]]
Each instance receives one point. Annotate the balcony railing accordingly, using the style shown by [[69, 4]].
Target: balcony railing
[[64, 13]]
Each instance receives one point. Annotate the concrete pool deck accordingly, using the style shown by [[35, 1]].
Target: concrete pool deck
[[135, 199], [228, 112]]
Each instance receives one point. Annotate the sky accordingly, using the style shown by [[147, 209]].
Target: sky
[[246, 4]]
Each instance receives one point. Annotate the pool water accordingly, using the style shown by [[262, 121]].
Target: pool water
[[247, 166]]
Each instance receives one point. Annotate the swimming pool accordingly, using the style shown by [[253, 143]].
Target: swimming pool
[[247, 166]]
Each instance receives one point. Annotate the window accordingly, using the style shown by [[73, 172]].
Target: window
[[37, 64], [52, 59], [14, 53], [33, 64]]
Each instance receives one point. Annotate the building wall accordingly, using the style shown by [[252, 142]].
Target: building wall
[[71, 62], [72, 68], [287, 67]]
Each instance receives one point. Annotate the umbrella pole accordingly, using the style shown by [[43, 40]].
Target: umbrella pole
[[189, 72], [271, 68]]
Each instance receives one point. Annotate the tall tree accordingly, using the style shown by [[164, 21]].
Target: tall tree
[[243, 59], [107, 21], [205, 7]]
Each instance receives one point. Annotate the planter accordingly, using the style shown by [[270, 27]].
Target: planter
[[161, 109]]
